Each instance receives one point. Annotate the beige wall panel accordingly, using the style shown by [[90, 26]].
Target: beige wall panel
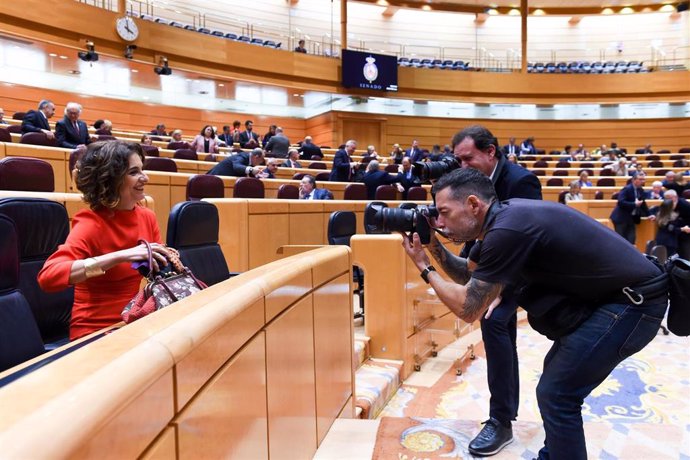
[[132, 430], [306, 227], [334, 381], [264, 244], [291, 383], [233, 235], [164, 448], [229, 418], [205, 359]]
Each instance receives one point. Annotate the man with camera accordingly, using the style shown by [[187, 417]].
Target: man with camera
[[597, 315], [476, 147]]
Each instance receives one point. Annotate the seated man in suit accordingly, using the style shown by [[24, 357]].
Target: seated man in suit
[[291, 162], [407, 177], [159, 130], [308, 190], [511, 147], [300, 47], [527, 147], [270, 170], [278, 145], [36, 121], [309, 149], [71, 132], [415, 152], [241, 164], [374, 177]]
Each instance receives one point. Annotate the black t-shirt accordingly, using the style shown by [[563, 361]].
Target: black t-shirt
[[532, 242]]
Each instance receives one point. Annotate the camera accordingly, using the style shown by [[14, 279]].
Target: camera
[[434, 169], [88, 56], [379, 218]]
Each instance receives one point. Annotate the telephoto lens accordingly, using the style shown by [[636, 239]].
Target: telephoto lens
[[380, 219], [434, 169]]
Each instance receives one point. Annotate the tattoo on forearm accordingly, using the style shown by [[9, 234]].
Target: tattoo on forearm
[[454, 266], [480, 294]]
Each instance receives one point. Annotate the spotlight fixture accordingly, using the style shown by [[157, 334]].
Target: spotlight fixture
[[129, 51], [163, 68], [90, 55]]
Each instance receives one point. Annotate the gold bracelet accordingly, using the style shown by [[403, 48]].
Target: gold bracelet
[[92, 269]]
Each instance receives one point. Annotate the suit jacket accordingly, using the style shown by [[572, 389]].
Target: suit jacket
[[296, 164], [321, 194], [227, 138], [198, 144], [415, 155], [235, 165], [34, 121], [622, 213], [278, 145], [341, 167], [506, 149], [246, 135], [307, 150], [514, 181], [68, 137], [376, 178], [408, 182]]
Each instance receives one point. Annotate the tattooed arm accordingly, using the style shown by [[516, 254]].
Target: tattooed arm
[[455, 266]]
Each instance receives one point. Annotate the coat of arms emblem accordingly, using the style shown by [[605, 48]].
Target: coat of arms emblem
[[371, 72]]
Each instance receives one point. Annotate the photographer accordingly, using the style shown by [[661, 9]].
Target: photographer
[[597, 315], [476, 147]]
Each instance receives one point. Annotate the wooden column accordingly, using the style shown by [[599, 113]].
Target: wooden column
[[122, 6], [523, 39], [343, 24]]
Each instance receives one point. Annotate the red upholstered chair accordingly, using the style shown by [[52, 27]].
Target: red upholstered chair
[[38, 139], [528, 157], [212, 157], [606, 182], [560, 172], [416, 194], [298, 176], [661, 172], [391, 168], [16, 129], [686, 194], [185, 154], [540, 164], [156, 138], [540, 151], [554, 182], [316, 157], [324, 176], [355, 192], [317, 165], [248, 187], [676, 157], [561, 196], [588, 171], [655, 164], [598, 195], [614, 196], [150, 150], [386, 193], [680, 163], [653, 158], [204, 186], [606, 172], [18, 115], [563, 164], [288, 192], [684, 150], [177, 145], [5, 135], [106, 137], [548, 158], [26, 174], [160, 164], [538, 172], [663, 151], [586, 165]]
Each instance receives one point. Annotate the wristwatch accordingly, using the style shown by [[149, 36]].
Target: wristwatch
[[425, 273], [91, 268]]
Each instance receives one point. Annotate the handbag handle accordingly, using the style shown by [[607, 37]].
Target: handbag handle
[[150, 273]]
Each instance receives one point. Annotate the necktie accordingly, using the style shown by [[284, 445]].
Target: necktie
[[76, 127]]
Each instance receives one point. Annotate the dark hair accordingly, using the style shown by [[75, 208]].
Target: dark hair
[[311, 179], [568, 147], [102, 169], [246, 123], [665, 214], [226, 127], [98, 123], [44, 103], [466, 182], [482, 137], [213, 132], [236, 123]]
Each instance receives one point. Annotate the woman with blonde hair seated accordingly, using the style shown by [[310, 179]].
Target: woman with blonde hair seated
[[97, 255]]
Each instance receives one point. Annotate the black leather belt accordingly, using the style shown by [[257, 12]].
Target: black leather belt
[[653, 290]]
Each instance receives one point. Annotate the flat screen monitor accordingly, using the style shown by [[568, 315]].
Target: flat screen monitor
[[364, 70]]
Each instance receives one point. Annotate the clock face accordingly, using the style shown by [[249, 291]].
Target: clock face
[[127, 29]]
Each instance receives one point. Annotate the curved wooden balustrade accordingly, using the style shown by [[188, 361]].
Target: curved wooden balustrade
[[256, 366]]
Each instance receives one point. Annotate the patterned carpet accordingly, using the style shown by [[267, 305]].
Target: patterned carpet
[[642, 411]]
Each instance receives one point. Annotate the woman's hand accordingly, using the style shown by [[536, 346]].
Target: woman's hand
[[137, 253]]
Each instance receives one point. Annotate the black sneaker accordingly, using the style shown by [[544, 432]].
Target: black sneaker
[[491, 439]]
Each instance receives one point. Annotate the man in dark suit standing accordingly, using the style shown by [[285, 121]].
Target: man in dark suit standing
[[476, 147], [71, 132], [278, 145], [36, 121], [630, 199], [374, 177], [510, 147], [248, 135], [241, 164], [309, 149], [343, 164], [414, 152]]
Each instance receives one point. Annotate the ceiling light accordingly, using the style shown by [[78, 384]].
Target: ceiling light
[[52, 55], [135, 71], [538, 12], [382, 2], [426, 7], [607, 11], [220, 84], [63, 57], [627, 10], [492, 12], [514, 12], [667, 9]]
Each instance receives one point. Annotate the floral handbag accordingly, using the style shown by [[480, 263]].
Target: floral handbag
[[173, 283]]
